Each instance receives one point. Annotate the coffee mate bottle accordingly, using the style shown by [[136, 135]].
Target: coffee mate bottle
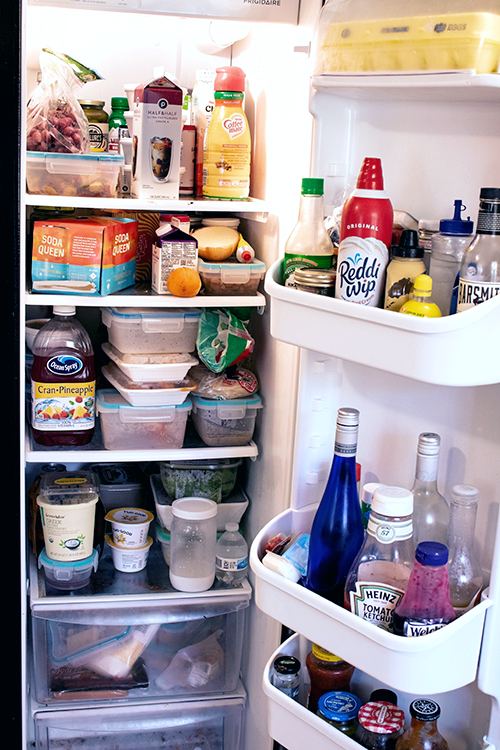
[[365, 235], [480, 269]]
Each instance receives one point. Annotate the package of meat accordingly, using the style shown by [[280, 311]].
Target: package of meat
[[56, 122]]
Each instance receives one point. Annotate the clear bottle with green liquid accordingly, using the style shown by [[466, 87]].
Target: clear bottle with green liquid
[[309, 245]]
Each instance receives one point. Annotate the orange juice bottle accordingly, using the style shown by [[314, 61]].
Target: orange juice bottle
[[227, 147]]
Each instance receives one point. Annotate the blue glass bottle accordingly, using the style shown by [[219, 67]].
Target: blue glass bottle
[[337, 531]]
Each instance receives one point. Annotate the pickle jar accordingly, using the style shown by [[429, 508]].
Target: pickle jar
[[340, 709], [97, 119]]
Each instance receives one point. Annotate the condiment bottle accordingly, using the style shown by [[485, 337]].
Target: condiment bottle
[[480, 269], [431, 515], [366, 500], [379, 575], [309, 245], [426, 605], [464, 570], [286, 675], [118, 127], [419, 302], [406, 264], [327, 672], [365, 235], [340, 709], [227, 145], [379, 725], [337, 530], [423, 733], [448, 247]]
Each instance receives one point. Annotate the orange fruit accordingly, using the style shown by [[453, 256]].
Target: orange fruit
[[184, 282]]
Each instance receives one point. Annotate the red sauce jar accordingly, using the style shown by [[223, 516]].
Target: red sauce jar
[[327, 672]]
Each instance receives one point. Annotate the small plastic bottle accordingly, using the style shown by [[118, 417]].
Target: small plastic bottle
[[419, 302], [448, 247], [231, 556], [118, 128]]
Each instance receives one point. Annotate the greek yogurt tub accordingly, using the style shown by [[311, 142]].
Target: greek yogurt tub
[[129, 526]]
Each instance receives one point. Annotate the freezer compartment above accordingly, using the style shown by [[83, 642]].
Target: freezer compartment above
[[417, 665], [424, 349], [188, 725]]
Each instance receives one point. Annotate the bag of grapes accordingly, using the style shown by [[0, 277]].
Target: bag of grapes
[[56, 121]]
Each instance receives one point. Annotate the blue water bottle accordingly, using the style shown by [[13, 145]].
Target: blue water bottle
[[337, 531]]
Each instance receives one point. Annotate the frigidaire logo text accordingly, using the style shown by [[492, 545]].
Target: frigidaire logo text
[[64, 365]]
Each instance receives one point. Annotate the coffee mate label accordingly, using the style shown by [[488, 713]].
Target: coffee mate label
[[360, 270], [471, 293], [375, 602]]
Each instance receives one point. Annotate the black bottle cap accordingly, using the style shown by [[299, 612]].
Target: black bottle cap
[[286, 665], [382, 694], [424, 709], [489, 192], [408, 246]]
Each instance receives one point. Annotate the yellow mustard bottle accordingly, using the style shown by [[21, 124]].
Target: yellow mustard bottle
[[420, 303], [227, 147], [407, 262]]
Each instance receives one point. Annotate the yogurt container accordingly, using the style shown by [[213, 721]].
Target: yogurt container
[[68, 576], [67, 501], [128, 559], [129, 526]]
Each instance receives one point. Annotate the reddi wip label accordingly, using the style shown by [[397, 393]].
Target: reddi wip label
[[471, 293], [360, 270], [375, 602]]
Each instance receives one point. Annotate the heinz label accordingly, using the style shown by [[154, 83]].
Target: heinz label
[[375, 602]]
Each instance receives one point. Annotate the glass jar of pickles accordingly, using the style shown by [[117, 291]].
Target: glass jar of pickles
[[97, 119], [340, 710]]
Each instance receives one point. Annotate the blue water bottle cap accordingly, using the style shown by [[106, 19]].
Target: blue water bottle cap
[[431, 553], [457, 225]]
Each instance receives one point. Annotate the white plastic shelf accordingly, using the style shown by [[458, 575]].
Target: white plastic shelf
[[450, 86], [456, 350], [416, 665], [144, 298]]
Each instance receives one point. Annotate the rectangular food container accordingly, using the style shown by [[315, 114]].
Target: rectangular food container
[[136, 330], [127, 427], [151, 368], [81, 175], [147, 394], [213, 724], [231, 278], [120, 485], [227, 423], [212, 478], [178, 646]]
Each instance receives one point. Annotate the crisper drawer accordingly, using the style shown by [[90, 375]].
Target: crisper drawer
[[193, 725], [145, 649]]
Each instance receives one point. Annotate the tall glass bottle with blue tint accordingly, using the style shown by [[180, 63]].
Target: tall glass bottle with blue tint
[[337, 531]]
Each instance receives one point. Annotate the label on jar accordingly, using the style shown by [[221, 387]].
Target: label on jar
[[471, 293], [375, 602], [61, 407], [232, 564], [292, 262], [98, 136]]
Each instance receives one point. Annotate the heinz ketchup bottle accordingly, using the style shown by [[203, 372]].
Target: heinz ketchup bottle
[[365, 234], [63, 381]]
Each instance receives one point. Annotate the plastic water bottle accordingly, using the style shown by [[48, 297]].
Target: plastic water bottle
[[231, 561]]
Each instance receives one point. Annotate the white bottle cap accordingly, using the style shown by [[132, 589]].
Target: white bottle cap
[[194, 508], [395, 502], [465, 494], [368, 491], [281, 566], [429, 443], [64, 310]]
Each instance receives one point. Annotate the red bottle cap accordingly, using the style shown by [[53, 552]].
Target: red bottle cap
[[370, 175], [381, 718], [229, 78]]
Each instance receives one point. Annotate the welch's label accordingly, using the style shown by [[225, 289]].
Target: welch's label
[[361, 270]]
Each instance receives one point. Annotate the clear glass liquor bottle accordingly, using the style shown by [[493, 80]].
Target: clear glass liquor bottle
[[431, 514], [464, 570]]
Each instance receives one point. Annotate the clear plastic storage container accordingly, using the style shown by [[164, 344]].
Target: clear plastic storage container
[[81, 175], [151, 368], [231, 278], [146, 394], [179, 646], [215, 724], [212, 478], [355, 36], [68, 576], [135, 330], [225, 422], [120, 485], [140, 427]]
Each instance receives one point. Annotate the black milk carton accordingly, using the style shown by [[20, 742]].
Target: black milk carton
[[156, 141]]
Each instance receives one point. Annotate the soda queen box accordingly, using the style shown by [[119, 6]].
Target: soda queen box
[[156, 141], [94, 256]]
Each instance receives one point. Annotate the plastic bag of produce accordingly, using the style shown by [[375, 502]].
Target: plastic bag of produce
[[223, 340], [55, 118], [235, 382]]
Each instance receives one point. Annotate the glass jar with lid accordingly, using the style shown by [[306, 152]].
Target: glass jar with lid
[[285, 675], [192, 546], [316, 280], [379, 725], [340, 709], [97, 119], [327, 672]]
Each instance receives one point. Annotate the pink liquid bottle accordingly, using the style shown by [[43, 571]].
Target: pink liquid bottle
[[426, 605]]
